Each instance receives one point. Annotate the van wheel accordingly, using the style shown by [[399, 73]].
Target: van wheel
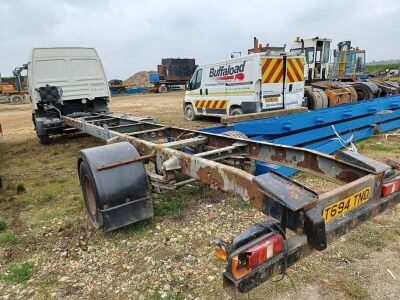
[[189, 112], [236, 112]]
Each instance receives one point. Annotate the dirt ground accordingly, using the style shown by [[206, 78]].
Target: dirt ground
[[48, 249]]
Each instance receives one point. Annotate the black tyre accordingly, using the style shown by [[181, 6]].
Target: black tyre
[[118, 195], [162, 88], [44, 139], [16, 99], [189, 112], [314, 99], [236, 112], [363, 91], [250, 164], [89, 195]]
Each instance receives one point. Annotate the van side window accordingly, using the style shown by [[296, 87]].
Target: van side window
[[197, 79]]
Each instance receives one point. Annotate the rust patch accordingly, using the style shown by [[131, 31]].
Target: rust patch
[[280, 155], [347, 176], [310, 162], [211, 177]]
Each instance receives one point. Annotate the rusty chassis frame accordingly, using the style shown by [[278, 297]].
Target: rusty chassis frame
[[204, 156]]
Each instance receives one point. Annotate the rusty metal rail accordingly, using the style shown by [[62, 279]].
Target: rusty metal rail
[[220, 162]]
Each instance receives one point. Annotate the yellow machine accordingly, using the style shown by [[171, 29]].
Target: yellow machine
[[11, 88]]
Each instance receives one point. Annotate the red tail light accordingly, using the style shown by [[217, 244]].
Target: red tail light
[[243, 263], [391, 186]]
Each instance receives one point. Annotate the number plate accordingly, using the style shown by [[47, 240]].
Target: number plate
[[342, 207], [271, 99]]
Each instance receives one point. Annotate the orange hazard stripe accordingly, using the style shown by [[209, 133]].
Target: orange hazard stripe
[[266, 65], [295, 70], [272, 70], [216, 104]]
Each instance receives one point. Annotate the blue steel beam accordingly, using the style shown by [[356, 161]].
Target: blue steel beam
[[296, 122], [350, 121], [330, 146]]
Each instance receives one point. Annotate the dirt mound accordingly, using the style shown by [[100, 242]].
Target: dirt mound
[[139, 79]]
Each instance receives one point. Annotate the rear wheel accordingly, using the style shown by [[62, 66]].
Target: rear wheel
[[246, 164], [236, 112], [115, 192], [89, 195], [189, 112]]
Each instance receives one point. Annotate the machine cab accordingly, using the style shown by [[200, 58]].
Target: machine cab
[[317, 54]]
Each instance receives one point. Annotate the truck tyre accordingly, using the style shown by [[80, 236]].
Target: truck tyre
[[236, 112], [314, 99], [236, 134], [118, 195], [162, 88], [44, 139], [16, 99], [250, 165], [189, 112], [89, 195], [363, 91]]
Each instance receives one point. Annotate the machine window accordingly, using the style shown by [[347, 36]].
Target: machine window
[[360, 61], [309, 55], [326, 51]]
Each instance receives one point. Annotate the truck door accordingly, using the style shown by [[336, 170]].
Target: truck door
[[272, 75], [294, 82]]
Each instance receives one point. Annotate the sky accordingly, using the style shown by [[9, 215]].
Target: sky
[[134, 35]]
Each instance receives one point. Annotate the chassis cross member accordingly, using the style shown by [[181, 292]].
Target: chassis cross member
[[117, 187]]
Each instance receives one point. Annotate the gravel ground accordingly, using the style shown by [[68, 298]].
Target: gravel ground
[[170, 256]]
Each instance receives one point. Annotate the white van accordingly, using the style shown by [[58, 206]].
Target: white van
[[64, 81], [246, 84]]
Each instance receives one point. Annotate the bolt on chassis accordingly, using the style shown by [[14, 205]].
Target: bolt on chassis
[[116, 188]]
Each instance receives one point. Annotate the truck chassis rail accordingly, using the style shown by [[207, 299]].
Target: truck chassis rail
[[222, 161]]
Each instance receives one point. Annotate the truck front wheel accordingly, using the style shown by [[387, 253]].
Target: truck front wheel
[[44, 139], [189, 112]]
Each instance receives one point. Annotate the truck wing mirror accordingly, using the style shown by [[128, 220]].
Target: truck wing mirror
[[188, 86]]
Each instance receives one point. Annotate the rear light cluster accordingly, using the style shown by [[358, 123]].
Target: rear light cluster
[[246, 261], [391, 186]]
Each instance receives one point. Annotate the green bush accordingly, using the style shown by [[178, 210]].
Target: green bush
[[3, 225], [20, 188], [8, 237], [19, 274]]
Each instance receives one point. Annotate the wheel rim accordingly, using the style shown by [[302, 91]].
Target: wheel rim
[[189, 112], [89, 195], [235, 113], [16, 100]]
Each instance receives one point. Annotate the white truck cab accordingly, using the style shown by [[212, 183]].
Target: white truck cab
[[64, 81], [246, 84], [317, 55]]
